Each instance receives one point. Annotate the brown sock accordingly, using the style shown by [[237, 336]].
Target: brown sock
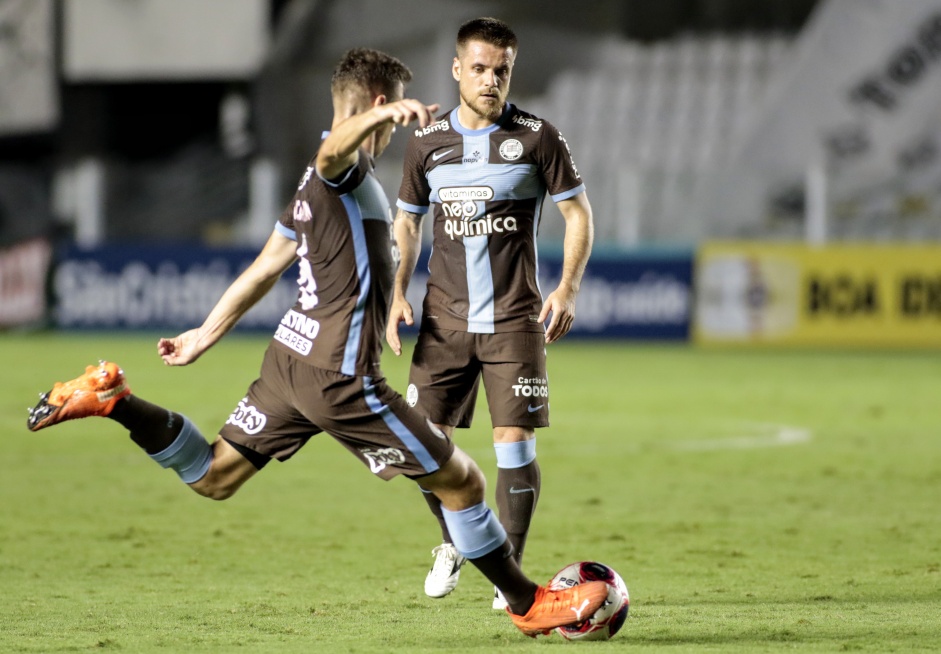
[[435, 505], [517, 494], [501, 568], [153, 428]]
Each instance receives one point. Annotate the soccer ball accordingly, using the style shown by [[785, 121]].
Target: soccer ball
[[607, 620]]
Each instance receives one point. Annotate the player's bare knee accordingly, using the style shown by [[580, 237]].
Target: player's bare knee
[[468, 477], [512, 434], [459, 481]]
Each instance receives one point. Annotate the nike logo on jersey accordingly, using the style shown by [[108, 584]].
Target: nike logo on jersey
[[438, 155], [517, 491], [534, 409]]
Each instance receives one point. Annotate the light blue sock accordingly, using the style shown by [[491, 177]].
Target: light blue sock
[[515, 455], [475, 531], [189, 455]]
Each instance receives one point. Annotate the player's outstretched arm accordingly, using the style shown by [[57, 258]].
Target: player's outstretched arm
[[339, 151], [407, 231], [242, 295], [579, 235]]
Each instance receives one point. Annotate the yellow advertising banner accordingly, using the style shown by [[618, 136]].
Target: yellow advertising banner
[[835, 295]]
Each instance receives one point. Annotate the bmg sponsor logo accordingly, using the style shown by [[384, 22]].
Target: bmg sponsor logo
[[247, 418], [531, 123], [440, 126]]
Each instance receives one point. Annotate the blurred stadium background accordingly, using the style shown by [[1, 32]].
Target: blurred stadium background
[[761, 171]]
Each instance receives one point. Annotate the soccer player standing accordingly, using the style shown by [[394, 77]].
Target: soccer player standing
[[483, 170], [321, 371]]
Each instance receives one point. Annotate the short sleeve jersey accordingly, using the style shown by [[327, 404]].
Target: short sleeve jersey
[[344, 244], [485, 189]]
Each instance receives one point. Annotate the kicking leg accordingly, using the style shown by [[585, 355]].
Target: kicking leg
[[170, 439], [480, 537]]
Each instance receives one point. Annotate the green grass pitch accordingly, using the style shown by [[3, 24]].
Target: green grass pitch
[[761, 501]]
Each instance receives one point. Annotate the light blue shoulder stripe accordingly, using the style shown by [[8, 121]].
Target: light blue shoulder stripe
[[413, 208], [339, 182], [284, 231], [571, 193]]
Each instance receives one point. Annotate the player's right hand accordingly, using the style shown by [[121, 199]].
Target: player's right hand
[[180, 350], [408, 110], [399, 311]]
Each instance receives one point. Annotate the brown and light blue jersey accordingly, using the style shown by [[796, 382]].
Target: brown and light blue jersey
[[485, 189], [344, 244]]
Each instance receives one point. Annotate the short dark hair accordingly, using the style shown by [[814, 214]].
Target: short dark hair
[[489, 30], [369, 70]]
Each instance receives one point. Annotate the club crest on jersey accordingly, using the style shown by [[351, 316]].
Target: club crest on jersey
[[511, 149], [411, 395]]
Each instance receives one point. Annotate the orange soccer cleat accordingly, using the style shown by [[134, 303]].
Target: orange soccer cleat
[[560, 608], [93, 394]]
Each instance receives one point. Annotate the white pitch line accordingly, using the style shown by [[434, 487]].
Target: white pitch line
[[781, 436]]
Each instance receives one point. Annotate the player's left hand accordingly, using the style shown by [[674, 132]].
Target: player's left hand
[[399, 311], [561, 304], [180, 350]]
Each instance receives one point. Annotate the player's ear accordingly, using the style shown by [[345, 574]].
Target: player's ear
[[380, 99], [456, 69]]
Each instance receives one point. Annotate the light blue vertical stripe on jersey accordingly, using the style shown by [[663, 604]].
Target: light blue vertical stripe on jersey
[[372, 200], [537, 216], [476, 249], [479, 285], [351, 350], [400, 430]]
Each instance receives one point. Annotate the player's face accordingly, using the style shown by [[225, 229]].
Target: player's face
[[383, 134], [483, 74]]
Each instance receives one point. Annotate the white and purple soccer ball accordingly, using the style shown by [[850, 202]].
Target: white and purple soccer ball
[[607, 620]]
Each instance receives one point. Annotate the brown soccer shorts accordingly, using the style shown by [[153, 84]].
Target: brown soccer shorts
[[291, 401], [447, 367]]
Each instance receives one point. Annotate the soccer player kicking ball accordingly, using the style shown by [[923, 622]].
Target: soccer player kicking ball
[[321, 371]]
